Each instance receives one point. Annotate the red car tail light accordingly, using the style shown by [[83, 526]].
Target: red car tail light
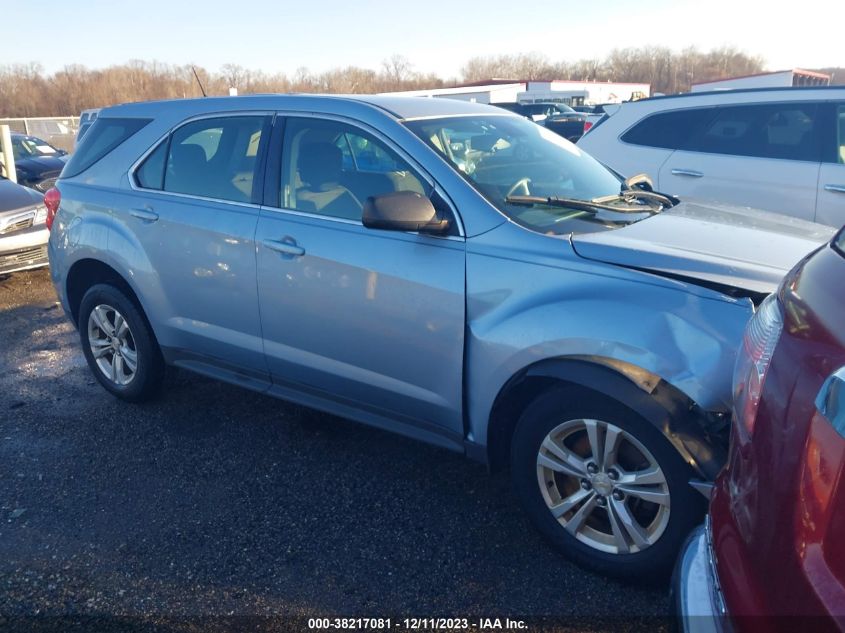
[[51, 200], [752, 364], [587, 126]]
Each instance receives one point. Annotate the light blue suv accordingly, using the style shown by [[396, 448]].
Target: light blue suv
[[446, 270]]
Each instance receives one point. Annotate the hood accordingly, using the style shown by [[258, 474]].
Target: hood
[[722, 245], [14, 197]]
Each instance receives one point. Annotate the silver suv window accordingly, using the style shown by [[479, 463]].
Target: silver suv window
[[331, 168], [211, 158], [789, 131]]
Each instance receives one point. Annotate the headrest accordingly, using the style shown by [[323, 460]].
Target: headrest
[[320, 163], [190, 155]]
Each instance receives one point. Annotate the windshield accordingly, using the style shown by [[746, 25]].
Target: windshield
[[515, 164], [31, 147]]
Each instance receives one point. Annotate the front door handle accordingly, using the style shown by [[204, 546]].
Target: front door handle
[[687, 172], [286, 246], [147, 215], [835, 188]]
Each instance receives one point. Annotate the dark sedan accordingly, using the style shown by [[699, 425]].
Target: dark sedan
[[557, 117], [38, 164], [567, 123]]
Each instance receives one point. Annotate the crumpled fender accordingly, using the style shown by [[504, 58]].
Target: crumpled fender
[[544, 303]]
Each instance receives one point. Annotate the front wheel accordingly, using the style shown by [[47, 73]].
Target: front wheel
[[602, 484]]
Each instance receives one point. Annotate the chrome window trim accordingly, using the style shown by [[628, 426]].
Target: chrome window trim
[[133, 183], [430, 117], [366, 128]]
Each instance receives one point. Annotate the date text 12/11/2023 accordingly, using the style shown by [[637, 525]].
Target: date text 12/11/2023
[[417, 624]]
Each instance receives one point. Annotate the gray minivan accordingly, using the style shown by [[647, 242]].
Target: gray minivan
[[446, 270]]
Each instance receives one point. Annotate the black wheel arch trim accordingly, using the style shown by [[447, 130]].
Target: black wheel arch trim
[[699, 436]]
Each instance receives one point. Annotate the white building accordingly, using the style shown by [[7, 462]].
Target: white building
[[777, 79], [559, 91]]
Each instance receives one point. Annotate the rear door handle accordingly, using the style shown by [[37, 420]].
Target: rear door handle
[[835, 188], [147, 215], [286, 246], [687, 172]]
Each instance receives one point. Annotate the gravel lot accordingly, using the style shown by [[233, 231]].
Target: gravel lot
[[215, 501]]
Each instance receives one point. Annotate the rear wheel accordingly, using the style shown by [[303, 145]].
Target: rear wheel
[[119, 345], [602, 484]]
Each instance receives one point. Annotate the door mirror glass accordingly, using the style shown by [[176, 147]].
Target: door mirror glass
[[831, 400], [402, 211]]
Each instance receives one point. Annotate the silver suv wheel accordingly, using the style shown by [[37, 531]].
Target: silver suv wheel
[[603, 486], [112, 344]]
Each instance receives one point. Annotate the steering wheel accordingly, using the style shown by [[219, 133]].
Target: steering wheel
[[523, 183]]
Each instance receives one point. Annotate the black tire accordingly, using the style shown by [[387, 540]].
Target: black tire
[[146, 382], [563, 403]]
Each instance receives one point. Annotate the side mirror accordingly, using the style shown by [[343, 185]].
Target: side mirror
[[640, 181], [402, 211], [830, 401]]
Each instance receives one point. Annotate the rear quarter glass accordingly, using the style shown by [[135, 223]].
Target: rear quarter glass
[[104, 135]]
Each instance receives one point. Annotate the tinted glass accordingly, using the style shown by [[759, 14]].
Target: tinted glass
[[670, 130], [840, 134], [507, 156], [331, 168], [781, 130], [215, 158], [104, 135], [150, 174]]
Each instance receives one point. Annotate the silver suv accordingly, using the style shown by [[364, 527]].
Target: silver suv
[[446, 270]]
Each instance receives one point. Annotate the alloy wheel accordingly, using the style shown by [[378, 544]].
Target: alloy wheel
[[112, 344], [603, 486]]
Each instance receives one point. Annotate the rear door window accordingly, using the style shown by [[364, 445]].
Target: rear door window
[[212, 158], [105, 135], [788, 131], [669, 130]]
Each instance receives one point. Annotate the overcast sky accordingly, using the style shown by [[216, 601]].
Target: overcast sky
[[436, 35]]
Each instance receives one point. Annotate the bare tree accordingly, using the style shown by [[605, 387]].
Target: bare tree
[[26, 90]]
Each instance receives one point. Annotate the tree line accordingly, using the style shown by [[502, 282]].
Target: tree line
[[27, 90]]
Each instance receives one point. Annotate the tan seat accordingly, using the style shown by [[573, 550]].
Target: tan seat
[[320, 169]]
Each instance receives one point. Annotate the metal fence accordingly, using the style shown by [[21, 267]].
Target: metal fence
[[59, 131]]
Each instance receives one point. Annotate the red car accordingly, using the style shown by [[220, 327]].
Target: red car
[[771, 556]]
